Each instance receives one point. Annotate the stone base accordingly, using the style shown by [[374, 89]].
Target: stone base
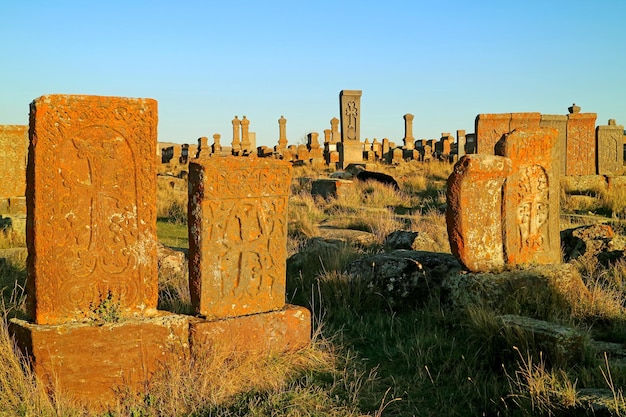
[[329, 187], [350, 152], [278, 331], [92, 362]]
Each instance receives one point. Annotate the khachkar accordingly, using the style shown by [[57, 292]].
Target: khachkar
[[581, 143], [237, 255], [91, 237], [490, 128], [610, 149], [13, 153], [350, 148], [504, 209]]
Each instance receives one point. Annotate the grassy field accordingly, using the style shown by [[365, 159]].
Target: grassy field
[[365, 359]]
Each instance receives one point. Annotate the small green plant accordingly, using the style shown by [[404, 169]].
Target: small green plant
[[107, 309]]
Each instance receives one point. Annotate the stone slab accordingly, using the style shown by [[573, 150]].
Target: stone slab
[[273, 332], [610, 147], [489, 128], [558, 122], [581, 144], [524, 120], [530, 205], [327, 188], [473, 216], [92, 363], [13, 155], [350, 115], [91, 198], [238, 235]]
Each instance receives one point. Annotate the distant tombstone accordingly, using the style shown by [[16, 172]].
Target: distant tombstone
[[558, 122], [489, 130], [397, 156], [13, 155], [610, 149], [335, 134], [327, 135], [236, 143], [282, 134], [530, 207], [581, 143], [460, 143], [385, 150], [203, 147], [350, 148], [303, 153], [315, 150], [409, 140], [217, 146], [238, 235], [246, 144], [377, 148]]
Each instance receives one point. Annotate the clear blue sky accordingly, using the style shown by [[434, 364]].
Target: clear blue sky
[[207, 61]]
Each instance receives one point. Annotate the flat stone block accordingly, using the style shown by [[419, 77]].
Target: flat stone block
[[272, 332], [237, 235], [90, 362], [91, 201], [326, 188], [583, 183]]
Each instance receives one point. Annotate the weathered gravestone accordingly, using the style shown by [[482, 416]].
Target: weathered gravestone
[[489, 129], [473, 216], [350, 148], [13, 153], [237, 255], [530, 206], [581, 143], [504, 209], [610, 149], [91, 236]]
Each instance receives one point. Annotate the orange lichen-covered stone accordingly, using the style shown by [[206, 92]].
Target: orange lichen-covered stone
[[530, 206], [13, 151], [489, 129], [524, 120], [91, 198], [92, 364], [473, 217], [581, 144], [264, 333], [237, 235]]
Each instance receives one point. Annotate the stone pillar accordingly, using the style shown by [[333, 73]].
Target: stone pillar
[[489, 130], [530, 208], [236, 144], [460, 143], [282, 135], [581, 143], [335, 135], [409, 140], [203, 147], [245, 137], [350, 148], [558, 122], [385, 150], [315, 150], [217, 146], [474, 211], [610, 149]]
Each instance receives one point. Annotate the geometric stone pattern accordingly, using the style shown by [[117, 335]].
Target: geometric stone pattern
[[581, 144], [91, 198], [237, 235], [530, 206], [13, 154], [610, 149], [474, 216]]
